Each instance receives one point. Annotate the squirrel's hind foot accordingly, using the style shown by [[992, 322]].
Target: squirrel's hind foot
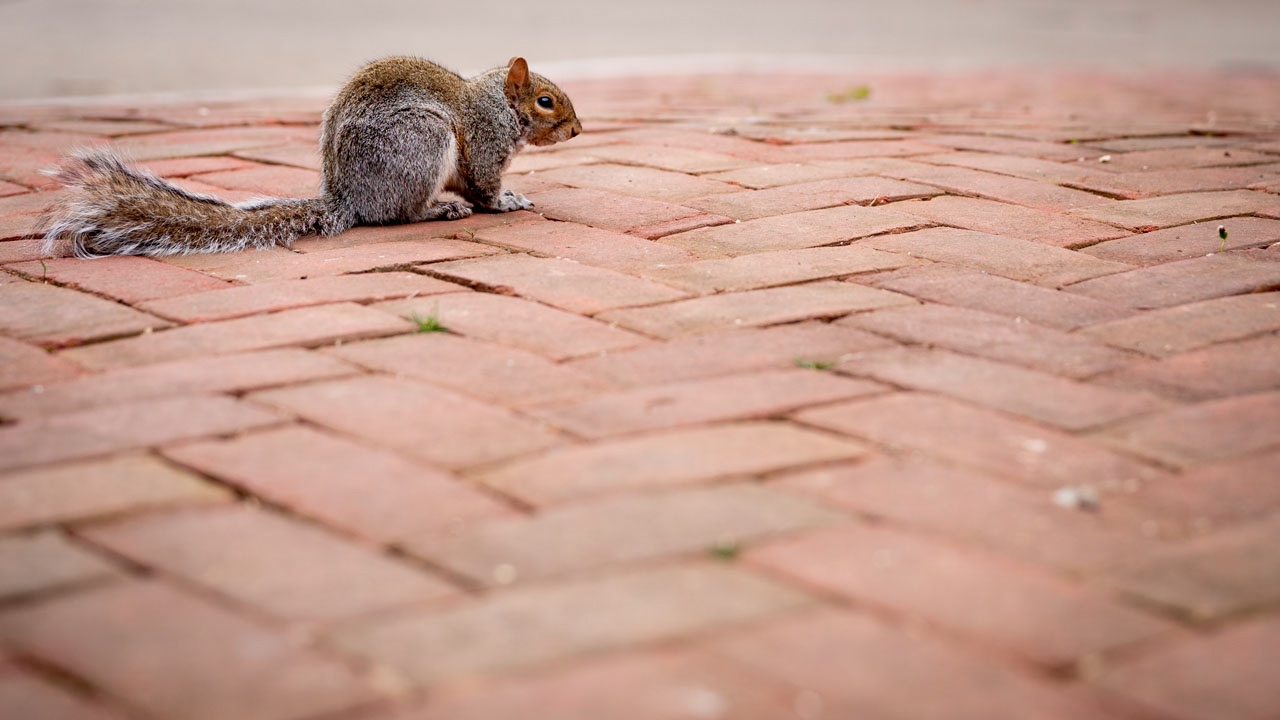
[[452, 210]]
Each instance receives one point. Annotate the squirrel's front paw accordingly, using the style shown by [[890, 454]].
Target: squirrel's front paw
[[510, 201]]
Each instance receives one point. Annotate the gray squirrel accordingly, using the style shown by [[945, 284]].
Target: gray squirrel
[[400, 132]]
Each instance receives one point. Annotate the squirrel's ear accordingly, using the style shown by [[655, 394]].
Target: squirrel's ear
[[517, 77]]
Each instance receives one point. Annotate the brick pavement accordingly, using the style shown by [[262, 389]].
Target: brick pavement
[[948, 403]]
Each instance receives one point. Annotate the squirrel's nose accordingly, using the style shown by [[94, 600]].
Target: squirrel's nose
[[574, 131]]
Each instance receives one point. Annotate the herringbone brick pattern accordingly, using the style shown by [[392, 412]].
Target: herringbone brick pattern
[[950, 402]]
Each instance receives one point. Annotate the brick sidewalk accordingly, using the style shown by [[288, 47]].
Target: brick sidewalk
[[948, 402]]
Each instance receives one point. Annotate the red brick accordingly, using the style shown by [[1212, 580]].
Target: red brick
[[1225, 675], [14, 227], [664, 459], [372, 493], [753, 308], [587, 245], [1005, 256], [1131, 144], [24, 166], [730, 351], [1134, 185], [693, 222], [29, 203], [537, 162], [183, 167], [129, 279], [1030, 193], [270, 267], [755, 395], [19, 250], [1180, 209], [110, 128], [768, 176], [980, 510], [55, 142], [670, 158], [1012, 340], [22, 365], [1187, 281], [489, 372], [54, 316], [1208, 431], [464, 229], [679, 684], [1187, 327], [209, 262], [612, 532], [269, 180], [215, 141], [1014, 146], [693, 139], [1186, 157], [519, 323], [789, 232], [77, 491], [24, 695], [805, 135], [1220, 493], [1034, 614], [558, 282], [981, 438], [124, 426], [202, 188], [8, 188], [1028, 168], [606, 210], [855, 149], [642, 182], [229, 373], [1056, 401], [420, 420], [305, 326], [997, 218], [298, 571], [753, 204], [542, 623], [1226, 369], [1187, 241], [1222, 573], [176, 656], [748, 272], [974, 289], [302, 155], [231, 302], [46, 561], [859, 667]]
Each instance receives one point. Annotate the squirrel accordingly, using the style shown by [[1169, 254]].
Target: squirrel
[[401, 131]]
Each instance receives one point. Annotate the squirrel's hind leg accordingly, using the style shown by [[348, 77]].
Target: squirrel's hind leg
[[393, 169]]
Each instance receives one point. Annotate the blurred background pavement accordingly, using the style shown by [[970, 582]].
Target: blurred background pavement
[[53, 48]]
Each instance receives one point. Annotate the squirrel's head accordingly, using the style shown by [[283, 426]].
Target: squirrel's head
[[545, 111]]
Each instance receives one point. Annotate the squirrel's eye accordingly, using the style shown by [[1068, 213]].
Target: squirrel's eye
[[545, 102]]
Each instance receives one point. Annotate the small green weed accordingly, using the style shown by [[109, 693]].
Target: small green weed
[[853, 94], [430, 323], [1222, 233], [471, 234], [725, 550], [814, 364]]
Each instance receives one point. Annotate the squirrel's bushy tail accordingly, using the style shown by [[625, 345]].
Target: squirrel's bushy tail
[[114, 209]]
